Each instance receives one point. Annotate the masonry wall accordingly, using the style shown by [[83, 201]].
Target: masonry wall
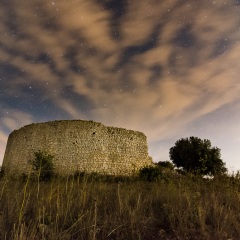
[[77, 146]]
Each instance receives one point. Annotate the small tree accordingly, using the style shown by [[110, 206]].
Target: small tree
[[197, 156], [43, 165]]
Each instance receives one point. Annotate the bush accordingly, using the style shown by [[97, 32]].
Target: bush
[[150, 173], [43, 166], [165, 164]]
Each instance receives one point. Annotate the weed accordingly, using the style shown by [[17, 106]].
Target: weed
[[104, 208]]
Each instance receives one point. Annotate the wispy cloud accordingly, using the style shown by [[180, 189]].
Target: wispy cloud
[[11, 119], [154, 66]]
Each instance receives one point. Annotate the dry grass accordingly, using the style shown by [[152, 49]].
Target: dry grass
[[182, 208]]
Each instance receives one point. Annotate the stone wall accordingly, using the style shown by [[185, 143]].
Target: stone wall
[[77, 146]]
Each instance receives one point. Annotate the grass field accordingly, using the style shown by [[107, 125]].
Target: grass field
[[176, 207]]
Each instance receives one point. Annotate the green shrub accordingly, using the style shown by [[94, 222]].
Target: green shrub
[[43, 166], [150, 173], [165, 164]]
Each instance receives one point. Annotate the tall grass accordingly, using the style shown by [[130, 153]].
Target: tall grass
[[108, 208]]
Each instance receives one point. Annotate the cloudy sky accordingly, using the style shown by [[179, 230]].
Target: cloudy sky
[[168, 68]]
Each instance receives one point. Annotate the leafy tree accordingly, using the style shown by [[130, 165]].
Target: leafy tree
[[43, 165], [197, 156]]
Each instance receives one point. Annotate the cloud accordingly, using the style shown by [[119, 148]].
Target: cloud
[[11, 119], [156, 66]]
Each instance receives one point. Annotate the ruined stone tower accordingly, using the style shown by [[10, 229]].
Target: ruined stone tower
[[77, 146]]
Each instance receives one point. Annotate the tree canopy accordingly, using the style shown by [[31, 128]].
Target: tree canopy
[[197, 156]]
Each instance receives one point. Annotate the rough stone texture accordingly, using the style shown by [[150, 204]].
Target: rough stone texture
[[77, 146]]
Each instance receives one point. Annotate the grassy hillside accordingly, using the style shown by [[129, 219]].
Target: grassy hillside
[[176, 207]]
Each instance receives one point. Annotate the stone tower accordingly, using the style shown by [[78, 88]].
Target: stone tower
[[77, 146]]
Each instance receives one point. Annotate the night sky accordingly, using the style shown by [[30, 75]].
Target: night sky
[[170, 69]]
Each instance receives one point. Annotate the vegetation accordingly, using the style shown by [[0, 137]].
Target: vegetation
[[161, 202], [43, 166], [165, 165], [184, 207], [197, 156], [150, 173]]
